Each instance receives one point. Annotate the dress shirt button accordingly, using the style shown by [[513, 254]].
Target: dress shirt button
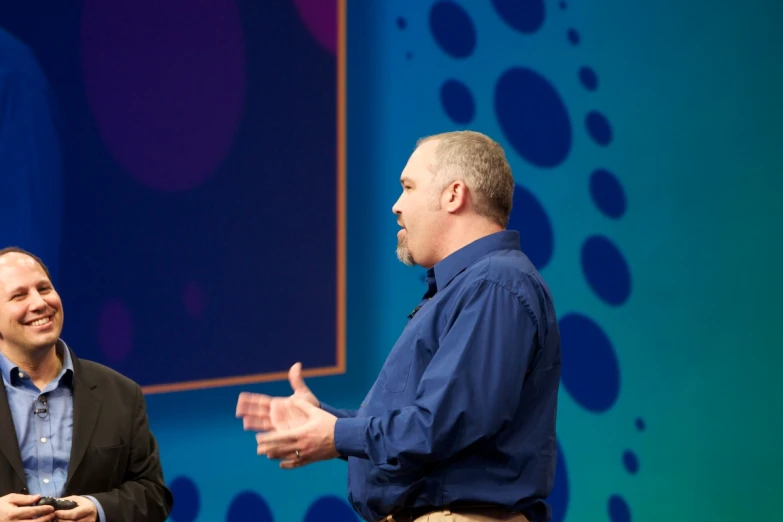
[[43, 439], [21, 375], [46, 481]]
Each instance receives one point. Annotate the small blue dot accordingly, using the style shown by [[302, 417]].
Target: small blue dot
[[563, 5], [640, 424], [453, 29], [188, 502], [607, 193], [248, 506], [631, 462], [590, 371], [533, 117], [457, 101], [558, 499], [529, 218], [599, 128], [573, 36], [330, 509], [588, 78], [409, 55], [402, 23], [618, 509], [525, 16], [606, 270]]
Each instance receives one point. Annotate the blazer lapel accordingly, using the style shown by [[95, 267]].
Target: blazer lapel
[[8, 443], [86, 406]]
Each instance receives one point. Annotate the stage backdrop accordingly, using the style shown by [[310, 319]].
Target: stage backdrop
[[201, 228]]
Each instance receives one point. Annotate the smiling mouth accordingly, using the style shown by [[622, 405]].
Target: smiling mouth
[[40, 322]]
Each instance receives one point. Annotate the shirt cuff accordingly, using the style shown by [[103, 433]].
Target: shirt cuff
[[350, 436], [329, 409], [101, 514]]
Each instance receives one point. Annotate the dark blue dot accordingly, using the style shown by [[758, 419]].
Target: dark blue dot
[[618, 509], [573, 36], [563, 5], [640, 424], [631, 462], [457, 101], [588, 78], [525, 16], [599, 128], [606, 270], [607, 193], [409, 55], [533, 117], [402, 23], [558, 499], [248, 506], [188, 502], [452, 29], [535, 229], [590, 371], [330, 509]]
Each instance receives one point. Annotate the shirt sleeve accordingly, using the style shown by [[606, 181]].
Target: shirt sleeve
[[101, 514], [340, 414], [470, 389]]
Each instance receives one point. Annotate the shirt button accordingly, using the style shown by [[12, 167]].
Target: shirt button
[[21, 375], [43, 439], [46, 481]]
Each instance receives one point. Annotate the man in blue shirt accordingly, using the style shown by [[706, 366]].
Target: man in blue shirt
[[70, 428], [461, 420]]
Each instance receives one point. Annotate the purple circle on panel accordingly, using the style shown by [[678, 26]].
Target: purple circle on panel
[[115, 330], [320, 19], [165, 82], [194, 299]]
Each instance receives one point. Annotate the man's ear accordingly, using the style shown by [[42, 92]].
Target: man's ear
[[455, 196]]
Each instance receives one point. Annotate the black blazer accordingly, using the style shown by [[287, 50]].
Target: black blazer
[[114, 456]]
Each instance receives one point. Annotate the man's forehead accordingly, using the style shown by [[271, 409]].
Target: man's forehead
[[17, 259]]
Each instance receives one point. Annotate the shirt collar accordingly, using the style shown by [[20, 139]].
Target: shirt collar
[[10, 370], [450, 267]]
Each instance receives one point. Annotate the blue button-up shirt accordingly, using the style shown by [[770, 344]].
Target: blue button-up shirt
[[43, 421], [463, 411]]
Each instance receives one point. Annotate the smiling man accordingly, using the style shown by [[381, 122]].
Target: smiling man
[[460, 424], [80, 430]]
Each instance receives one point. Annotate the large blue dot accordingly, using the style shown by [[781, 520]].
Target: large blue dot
[[188, 502], [606, 270], [631, 462], [618, 509], [453, 29], [607, 193], [598, 127], [590, 371], [457, 101], [588, 78], [330, 509], [558, 499], [535, 230], [525, 16], [573, 36], [533, 117], [248, 506]]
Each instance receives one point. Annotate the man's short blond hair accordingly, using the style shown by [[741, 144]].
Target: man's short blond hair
[[481, 163]]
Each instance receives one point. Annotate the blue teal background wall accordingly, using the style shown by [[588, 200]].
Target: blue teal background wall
[[663, 264]]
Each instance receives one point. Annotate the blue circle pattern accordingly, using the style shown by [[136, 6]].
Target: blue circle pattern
[[457, 101], [606, 270], [248, 506], [588, 78], [453, 29], [330, 509], [534, 226], [607, 193], [598, 127], [630, 462], [533, 117], [536, 123], [590, 371], [618, 509], [188, 502], [525, 16]]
